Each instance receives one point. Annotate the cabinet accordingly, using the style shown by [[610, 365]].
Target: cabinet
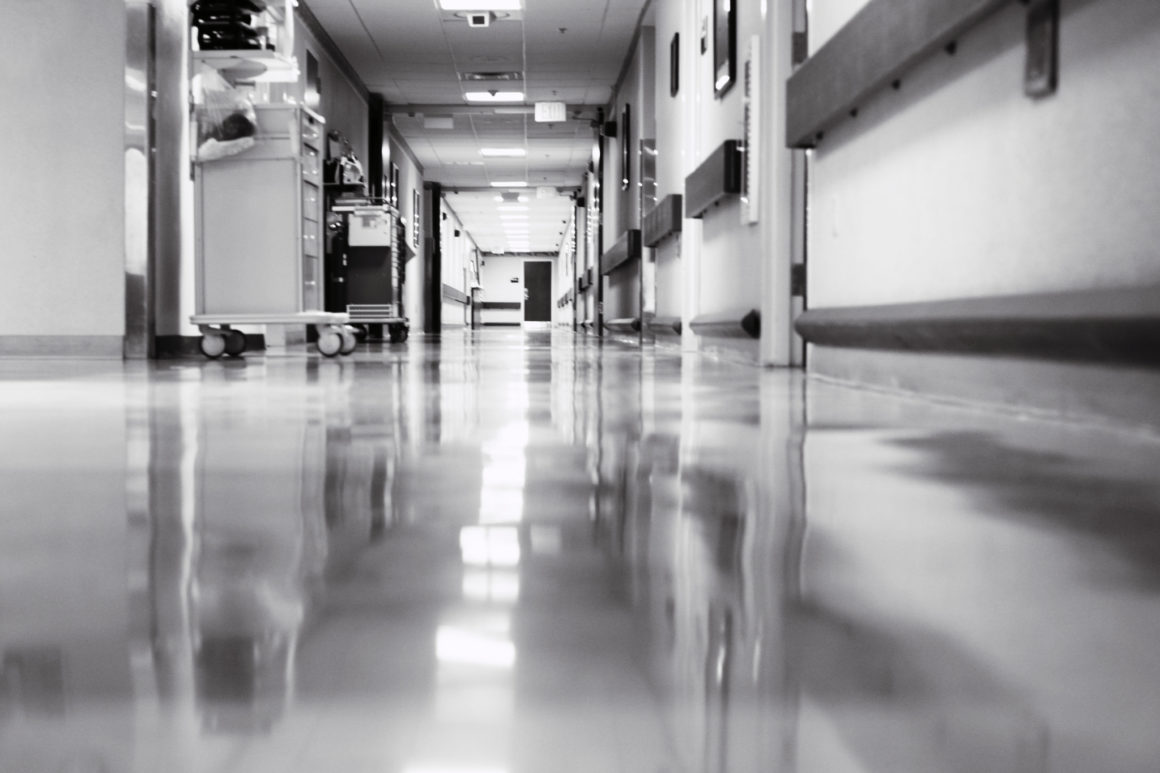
[[259, 217]]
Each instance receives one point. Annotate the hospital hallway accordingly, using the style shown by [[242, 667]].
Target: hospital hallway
[[533, 551]]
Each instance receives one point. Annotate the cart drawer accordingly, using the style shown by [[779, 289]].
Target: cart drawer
[[311, 238], [311, 166], [311, 132], [311, 209]]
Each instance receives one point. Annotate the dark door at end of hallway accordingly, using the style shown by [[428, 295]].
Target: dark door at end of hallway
[[537, 291]]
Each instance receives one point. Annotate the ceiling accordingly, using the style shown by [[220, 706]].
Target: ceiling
[[415, 54]]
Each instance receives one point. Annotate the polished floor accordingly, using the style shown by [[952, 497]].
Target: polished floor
[[527, 552]]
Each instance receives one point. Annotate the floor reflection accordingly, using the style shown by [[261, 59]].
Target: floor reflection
[[514, 552]]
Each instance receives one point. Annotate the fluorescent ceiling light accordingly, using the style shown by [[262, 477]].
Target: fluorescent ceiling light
[[503, 152], [512, 208], [494, 96], [510, 184], [479, 5]]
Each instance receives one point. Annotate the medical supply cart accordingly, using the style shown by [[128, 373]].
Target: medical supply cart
[[365, 250], [258, 196], [259, 234]]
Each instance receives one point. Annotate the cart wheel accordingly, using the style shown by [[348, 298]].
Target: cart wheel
[[398, 334], [349, 342], [235, 343], [360, 332], [212, 345], [329, 343]]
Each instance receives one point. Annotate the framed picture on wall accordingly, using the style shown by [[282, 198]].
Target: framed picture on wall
[[675, 64], [393, 188], [625, 131], [724, 46]]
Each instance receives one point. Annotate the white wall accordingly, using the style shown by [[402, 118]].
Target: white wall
[[495, 275], [670, 139], [565, 271], [62, 78], [959, 186], [410, 180], [460, 265], [731, 253]]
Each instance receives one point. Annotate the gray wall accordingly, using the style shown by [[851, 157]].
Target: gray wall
[[62, 78]]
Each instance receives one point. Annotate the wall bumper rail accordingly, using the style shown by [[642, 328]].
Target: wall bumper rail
[[728, 324], [1112, 326], [717, 177], [453, 294], [879, 45], [663, 220], [665, 326], [626, 249]]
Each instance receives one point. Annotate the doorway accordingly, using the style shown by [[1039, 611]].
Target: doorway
[[537, 291]]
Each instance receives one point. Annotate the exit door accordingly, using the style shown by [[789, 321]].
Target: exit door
[[538, 291]]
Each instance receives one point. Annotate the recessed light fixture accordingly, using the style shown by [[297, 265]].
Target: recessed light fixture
[[479, 5], [503, 152], [494, 96], [510, 184], [492, 75]]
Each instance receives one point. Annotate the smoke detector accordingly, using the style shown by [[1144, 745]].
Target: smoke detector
[[479, 18]]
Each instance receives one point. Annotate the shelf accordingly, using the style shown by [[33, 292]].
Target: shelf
[[250, 65]]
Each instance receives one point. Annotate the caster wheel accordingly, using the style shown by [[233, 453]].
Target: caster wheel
[[360, 332], [398, 335], [349, 342], [329, 343], [212, 346], [235, 343]]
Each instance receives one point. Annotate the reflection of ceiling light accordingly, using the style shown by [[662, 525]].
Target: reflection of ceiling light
[[455, 645], [503, 152], [489, 546], [479, 5], [510, 184], [501, 587], [497, 96]]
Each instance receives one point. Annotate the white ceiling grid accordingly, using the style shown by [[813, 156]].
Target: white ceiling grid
[[412, 52]]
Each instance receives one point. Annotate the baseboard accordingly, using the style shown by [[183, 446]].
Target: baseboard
[[87, 346], [1121, 397]]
